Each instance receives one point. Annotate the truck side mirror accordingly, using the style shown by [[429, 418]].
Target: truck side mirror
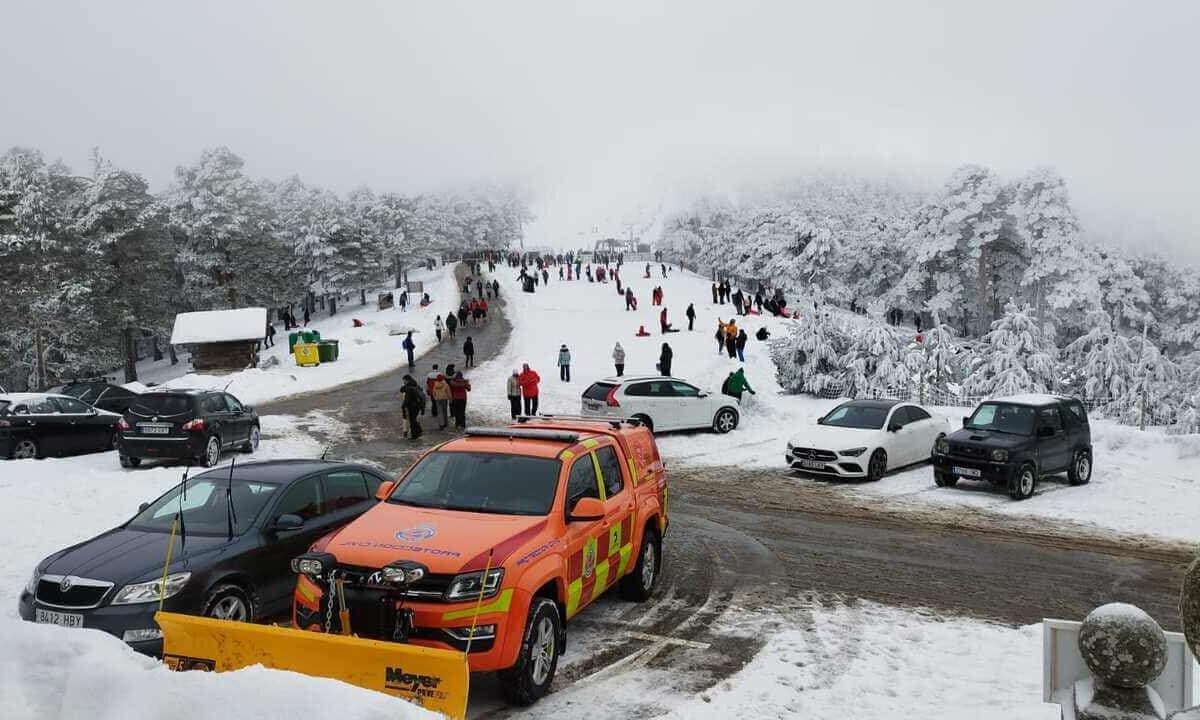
[[966, 420], [384, 489], [587, 509]]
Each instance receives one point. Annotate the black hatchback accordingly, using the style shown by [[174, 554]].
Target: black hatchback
[[100, 395], [186, 425], [231, 556]]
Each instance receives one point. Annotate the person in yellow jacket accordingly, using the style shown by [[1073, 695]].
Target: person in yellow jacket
[[441, 398]]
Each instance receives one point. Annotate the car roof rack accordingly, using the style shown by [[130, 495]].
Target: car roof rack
[[614, 423], [524, 433]]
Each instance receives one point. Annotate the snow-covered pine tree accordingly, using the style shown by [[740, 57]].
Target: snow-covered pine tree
[[1015, 356], [880, 360], [1101, 365], [809, 358]]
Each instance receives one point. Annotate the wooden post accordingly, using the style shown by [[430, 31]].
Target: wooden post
[[129, 352]]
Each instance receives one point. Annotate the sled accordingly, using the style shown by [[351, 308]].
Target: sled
[[434, 679]]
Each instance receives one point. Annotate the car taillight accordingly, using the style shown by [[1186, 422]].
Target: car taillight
[[197, 424], [612, 398], [5, 423], [122, 425]]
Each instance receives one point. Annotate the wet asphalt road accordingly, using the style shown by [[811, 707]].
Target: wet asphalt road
[[760, 540]]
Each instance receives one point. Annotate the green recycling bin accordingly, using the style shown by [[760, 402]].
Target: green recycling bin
[[310, 336], [327, 350], [293, 338]]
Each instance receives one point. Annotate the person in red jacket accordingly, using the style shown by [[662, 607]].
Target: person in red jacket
[[459, 387], [529, 380]]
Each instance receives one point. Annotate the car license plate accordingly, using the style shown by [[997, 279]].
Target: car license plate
[[53, 617], [965, 472], [812, 464], [155, 429], [592, 405]]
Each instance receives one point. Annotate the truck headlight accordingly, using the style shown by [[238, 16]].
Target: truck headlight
[[852, 452], [999, 455], [151, 591], [942, 447], [403, 572], [313, 565], [468, 585]]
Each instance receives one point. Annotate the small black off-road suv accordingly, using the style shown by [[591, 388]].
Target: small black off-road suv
[[1013, 442]]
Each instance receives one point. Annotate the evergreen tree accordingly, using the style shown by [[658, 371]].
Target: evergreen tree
[[1015, 356], [809, 358]]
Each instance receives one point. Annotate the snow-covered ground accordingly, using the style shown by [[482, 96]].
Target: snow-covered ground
[[1144, 482], [363, 352]]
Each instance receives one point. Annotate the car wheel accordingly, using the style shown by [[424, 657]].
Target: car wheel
[[529, 679], [877, 466], [26, 449], [212, 452], [130, 462], [726, 420], [252, 442], [1020, 487], [1080, 472], [944, 479], [229, 602], [645, 420], [639, 584]]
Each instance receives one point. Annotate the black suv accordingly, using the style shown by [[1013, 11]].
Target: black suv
[[186, 424], [1013, 442], [100, 394]]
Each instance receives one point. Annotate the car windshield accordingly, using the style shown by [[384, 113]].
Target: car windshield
[[1011, 419], [860, 417], [147, 405], [481, 482], [204, 508]]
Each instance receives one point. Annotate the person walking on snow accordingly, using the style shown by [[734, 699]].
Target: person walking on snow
[[629, 303], [459, 387], [564, 364], [441, 399], [451, 324], [664, 360], [740, 344], [736, 384], [469, 352], [270, 335], [437, 328], [404, 302], [529, 380], [691, 316], [413, 404], [430, 379], [409, 347], [714, 293], [720, 336], [618, 357], [514, 393]]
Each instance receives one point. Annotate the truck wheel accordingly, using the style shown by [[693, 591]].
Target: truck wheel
[[639, 584], [877, 466], [1080, 472], [942, 479], [529, 679], [1020, 487], [129, 462], [212, 452]]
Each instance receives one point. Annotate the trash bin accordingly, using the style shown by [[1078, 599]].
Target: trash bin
[[309, 336], [327, 350], [307, 354], [293, 338]]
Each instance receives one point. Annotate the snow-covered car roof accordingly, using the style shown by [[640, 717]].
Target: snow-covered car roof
[[22, 396], [1029, 399], [210, 326]]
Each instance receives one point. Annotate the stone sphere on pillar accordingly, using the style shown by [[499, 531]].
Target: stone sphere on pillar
[[1189, 606], [1123, 646]]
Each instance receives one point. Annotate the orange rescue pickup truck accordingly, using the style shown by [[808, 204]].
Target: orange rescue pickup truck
[[490, 542]]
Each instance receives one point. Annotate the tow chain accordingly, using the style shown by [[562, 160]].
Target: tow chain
[[329, 602]]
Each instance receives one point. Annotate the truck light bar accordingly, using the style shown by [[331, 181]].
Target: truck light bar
[[611, 422], [526, 433]]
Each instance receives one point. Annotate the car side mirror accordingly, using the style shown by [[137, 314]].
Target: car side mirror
[[820, 421], [93, 411], [1045, 431], [247, 409], [142, 507], [966, 420], [895, 427], [587, 509], [385, 488], [287, 522]]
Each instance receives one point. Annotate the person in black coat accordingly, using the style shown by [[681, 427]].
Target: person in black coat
[[691, 316], [469, 352], [664, 359], [413, 404]]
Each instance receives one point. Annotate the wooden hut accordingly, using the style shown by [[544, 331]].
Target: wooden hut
[[221, 340]]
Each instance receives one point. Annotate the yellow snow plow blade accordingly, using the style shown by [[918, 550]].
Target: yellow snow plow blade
[[434, 679]]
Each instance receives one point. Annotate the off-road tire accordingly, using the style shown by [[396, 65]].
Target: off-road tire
[[517, 682], [725, 420], [253, 440], [1080, 472], [226, 595], [207, 457], [129, 462], [942, 479], [639, 585], [877, 465], [1023, 483]]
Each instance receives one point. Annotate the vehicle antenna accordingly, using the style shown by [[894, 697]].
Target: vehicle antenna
[[230, 515], [226, 388], [479, 601]]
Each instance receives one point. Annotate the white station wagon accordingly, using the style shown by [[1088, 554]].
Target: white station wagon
[[661, 403]]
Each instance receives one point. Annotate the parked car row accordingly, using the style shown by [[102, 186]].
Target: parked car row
[[1009, 442]]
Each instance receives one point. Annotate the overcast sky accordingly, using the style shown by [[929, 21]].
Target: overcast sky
[[605, 105]]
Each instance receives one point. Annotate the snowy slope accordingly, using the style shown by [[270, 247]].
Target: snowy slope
[[364, 352]]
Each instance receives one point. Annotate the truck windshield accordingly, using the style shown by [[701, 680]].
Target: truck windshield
[[481, 482], [1010, 419]]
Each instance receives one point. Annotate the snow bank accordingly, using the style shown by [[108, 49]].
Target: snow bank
[[70, 674], [363, 352], [219, 326]]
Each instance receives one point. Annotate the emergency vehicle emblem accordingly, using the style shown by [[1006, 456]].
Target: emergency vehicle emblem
[[420, 532], [589, 560]]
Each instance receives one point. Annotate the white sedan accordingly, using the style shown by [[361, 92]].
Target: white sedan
[[867, 438]]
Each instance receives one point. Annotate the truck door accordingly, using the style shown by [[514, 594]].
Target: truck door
[[616, 541], [583, 536]]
